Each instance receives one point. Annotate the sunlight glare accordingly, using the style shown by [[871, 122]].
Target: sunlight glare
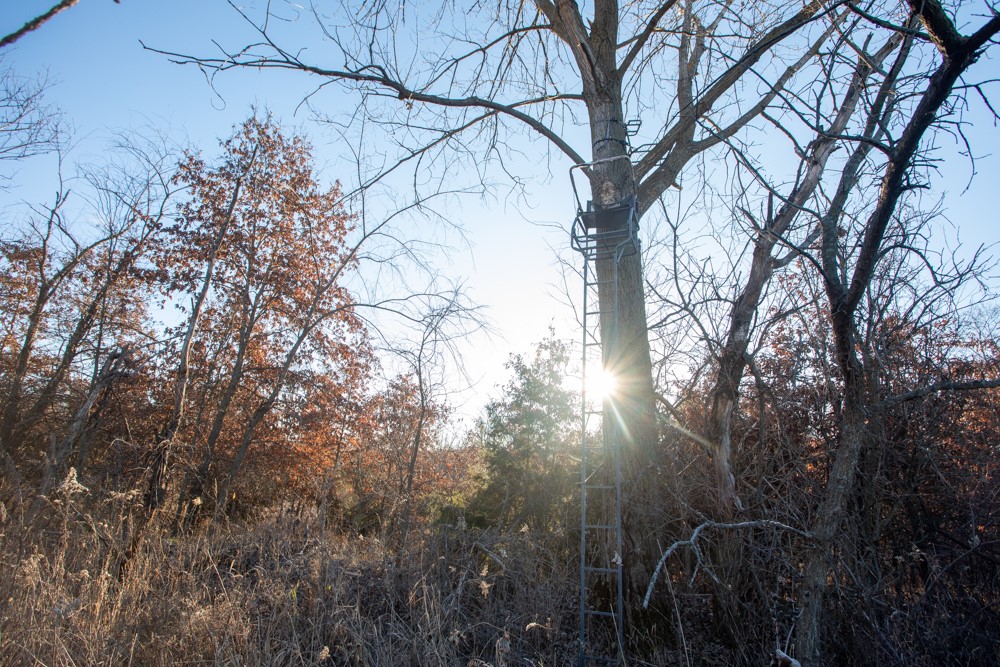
[[601, 384]]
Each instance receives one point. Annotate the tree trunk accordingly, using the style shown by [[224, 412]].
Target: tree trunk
[[166, 436], [845, 297], [828, 519], [418, 435], [56, 464], [629, 419], [12, 403], [197, 486], [732, 360], [312, 319], [732, 364]]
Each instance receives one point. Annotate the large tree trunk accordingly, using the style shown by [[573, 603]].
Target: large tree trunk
[[629, 419]]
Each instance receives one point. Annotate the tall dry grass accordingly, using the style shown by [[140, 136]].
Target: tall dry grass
[[274, 592], [276, 589]]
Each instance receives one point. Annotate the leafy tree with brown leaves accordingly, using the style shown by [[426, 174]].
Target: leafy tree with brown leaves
[[262, 249]]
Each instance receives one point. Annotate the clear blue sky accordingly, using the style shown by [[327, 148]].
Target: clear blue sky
[[104, 81]]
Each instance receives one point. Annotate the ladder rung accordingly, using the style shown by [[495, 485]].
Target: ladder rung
[[602, 570], [600, 487], [595, 612], [604, 526]]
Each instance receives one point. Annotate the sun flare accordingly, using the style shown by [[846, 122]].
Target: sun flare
[[600, 384]]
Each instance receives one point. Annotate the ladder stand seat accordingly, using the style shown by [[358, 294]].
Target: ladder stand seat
[[606, 219]]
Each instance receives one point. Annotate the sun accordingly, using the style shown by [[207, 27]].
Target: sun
[[601, 384]]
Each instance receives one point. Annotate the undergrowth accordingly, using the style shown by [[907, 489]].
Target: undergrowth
[[274, 592]]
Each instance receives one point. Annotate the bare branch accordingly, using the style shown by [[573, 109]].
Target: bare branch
[[692, 543], [906, 30], [656, 173], [961, 54], [36, 23], [947, 385], [640, 41], [375, 75]]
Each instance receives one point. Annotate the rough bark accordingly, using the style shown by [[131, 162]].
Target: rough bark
[[630, 413]]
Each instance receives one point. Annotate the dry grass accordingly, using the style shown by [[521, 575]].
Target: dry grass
[[277, 591], [274, 593]]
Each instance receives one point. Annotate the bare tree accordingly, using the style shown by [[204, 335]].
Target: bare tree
[[848, 276], [771, 235], [872, 104], [537, 68], [447, 318], [27, 126]]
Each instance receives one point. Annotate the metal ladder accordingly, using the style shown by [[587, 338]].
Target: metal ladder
[[600, 234]]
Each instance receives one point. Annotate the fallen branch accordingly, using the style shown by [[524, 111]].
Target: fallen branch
[[691, 542]]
